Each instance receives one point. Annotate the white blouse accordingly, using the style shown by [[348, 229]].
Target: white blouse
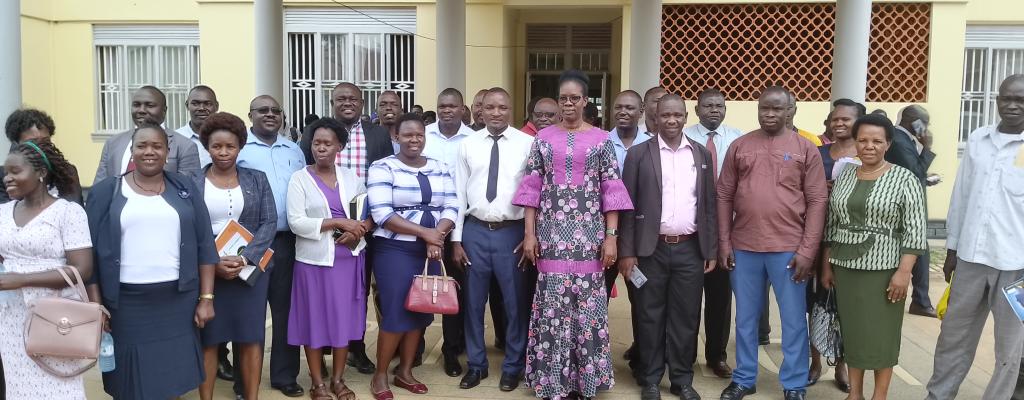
[[224, 205], [150, 236]]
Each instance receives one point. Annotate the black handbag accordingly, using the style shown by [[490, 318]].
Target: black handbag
[[825, 333]]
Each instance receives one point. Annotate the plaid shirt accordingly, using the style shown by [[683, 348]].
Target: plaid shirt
[[353, 156]]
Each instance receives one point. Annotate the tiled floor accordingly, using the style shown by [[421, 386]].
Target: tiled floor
[[919, 336]]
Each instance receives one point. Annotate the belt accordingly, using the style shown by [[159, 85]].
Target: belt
[[493, 226], [421, 207], [872, 229], [673, 239]]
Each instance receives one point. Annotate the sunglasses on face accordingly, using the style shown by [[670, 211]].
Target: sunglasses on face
[[267, 110]]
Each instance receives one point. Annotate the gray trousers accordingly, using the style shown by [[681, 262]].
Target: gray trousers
[[1018, 393], [977, 290]]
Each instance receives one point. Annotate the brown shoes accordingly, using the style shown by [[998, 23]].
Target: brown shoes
[[721, 369]]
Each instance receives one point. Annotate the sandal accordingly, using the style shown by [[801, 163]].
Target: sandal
[[319, 392], [341, 391]]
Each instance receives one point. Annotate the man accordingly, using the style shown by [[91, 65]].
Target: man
[[776, 197], [487, 236], [366, 143], [416, 108], [592, 115], [149, 106], [544, 113], [201, 103], [478, 111], [389, 108], [265, 150], [673, 251], [716, 137], [789, 123], [911, 149], [985, 223], [651, 98]]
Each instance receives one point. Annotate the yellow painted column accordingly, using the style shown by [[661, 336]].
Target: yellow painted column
[[226, 46]]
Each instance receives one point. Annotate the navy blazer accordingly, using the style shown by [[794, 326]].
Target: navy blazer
[[259, 213], [104, 207]]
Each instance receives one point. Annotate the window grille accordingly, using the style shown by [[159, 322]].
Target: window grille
[[991, 54]]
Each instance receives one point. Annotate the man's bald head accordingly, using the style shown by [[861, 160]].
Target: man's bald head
[[544, 113]]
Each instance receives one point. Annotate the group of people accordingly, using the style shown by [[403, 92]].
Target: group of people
[[539, 222]]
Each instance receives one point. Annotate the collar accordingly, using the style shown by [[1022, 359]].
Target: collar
[[613, 135], [464, 130], [685, 144], [278, 141], [187, 131]]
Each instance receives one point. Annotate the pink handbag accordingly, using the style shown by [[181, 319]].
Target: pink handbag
[[64, 328], [433, 294]]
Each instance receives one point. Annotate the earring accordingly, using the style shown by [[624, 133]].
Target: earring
[[41, 179]]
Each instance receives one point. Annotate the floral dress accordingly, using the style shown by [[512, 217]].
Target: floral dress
[[572, 179], [38, 246]]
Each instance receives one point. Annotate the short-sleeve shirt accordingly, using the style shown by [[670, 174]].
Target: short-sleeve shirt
[[279, 162]]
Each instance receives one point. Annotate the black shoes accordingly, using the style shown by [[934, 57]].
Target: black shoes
[[359, 361], [509, 382], [452, 367], [472, 378], [650, 392], [687, 393], [224, 370], [917, 309], [736, 392], [291, 390], [763, 341], [721, 369], [794, 394], [629, 352], [499, 344]]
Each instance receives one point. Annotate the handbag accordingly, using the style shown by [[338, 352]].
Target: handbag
[[433, 294], [64, 328], [825, 333]]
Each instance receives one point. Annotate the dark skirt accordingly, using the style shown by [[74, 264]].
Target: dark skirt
[[156, 343], [870, 324], [240, 312], [395, 263]]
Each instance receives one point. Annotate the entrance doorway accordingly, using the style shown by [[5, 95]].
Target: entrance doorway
[[552, 49]]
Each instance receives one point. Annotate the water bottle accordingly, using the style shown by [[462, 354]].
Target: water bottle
[[106, 353]]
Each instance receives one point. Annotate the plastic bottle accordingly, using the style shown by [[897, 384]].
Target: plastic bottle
[[106, 353]]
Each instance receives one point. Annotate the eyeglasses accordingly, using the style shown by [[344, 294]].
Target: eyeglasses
[[571, 99], [541, 114], [267, 110]]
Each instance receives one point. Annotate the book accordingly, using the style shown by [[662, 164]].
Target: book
[[1014, 293], [232, 241], [358, 210]]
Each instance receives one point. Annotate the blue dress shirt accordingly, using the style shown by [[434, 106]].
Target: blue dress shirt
[[620, 148], [278, 162]]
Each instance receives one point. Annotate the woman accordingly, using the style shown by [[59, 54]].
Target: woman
[[838, 154], [875, 231], [572, 194], [243, 195], [38, 234], [412, 198], [35, 125], [328, 300], [155, 260]]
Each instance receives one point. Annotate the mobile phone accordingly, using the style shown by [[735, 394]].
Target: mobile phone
[[336, 234]]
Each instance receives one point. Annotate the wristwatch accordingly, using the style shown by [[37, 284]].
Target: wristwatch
[[611, 232]]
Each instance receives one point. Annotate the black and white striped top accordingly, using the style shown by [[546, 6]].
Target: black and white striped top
[[871, 224]]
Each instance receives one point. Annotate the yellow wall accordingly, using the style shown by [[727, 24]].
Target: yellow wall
[[227, 51], [995, 12]]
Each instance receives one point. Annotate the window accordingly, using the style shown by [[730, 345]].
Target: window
[[329, 46], [131, 56], [991, 54]]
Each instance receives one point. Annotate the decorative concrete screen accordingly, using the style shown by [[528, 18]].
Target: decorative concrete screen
[[741, 48]]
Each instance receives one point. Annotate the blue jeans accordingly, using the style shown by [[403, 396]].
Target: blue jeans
[[748, 283]]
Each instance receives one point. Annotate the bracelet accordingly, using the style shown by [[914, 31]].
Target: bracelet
[[208, 296]]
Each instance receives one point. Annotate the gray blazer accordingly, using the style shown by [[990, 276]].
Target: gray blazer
[[259, 213], [182, 155]]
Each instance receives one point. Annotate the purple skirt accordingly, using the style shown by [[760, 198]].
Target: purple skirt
[[328, 303]]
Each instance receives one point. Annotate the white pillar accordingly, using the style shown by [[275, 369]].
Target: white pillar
[[451, 45], [269, 27], [850, 56], [645, 45], [10, 64]]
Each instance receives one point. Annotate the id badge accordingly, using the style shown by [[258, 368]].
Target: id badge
[[638, 278]]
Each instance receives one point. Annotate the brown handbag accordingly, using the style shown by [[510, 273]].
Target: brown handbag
[[433, 294], [65, 328]]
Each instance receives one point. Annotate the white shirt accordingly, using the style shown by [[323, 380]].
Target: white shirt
[[443, 148], [204, 156], [986, 213], [150, 234], [724, 136], [472, 167], [224, 205]]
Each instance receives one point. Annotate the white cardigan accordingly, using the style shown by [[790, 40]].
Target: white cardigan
[[307, 209]]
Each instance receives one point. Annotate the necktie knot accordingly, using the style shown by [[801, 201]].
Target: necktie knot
[[495, 137], [712, 133]]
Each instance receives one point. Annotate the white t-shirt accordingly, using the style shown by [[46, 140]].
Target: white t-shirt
[[224, 205], [150, 239]]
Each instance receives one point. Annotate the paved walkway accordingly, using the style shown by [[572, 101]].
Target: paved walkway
[[919, 336]]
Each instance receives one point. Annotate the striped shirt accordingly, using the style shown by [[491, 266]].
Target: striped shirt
[[393, 185], [871, 224]]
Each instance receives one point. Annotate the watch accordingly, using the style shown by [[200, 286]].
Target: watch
[[611, 232]]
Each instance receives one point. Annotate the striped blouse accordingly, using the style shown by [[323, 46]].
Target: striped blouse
[[871, 224], [392, 188]]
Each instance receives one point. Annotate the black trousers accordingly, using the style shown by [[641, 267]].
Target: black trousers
[[717, 315], [668, 312], [359, 346], [284, 358]]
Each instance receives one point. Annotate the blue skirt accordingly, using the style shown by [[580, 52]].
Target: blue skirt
[[395, 263], [240, 312], [156, 343]]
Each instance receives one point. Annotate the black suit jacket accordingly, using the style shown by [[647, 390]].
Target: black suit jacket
[[642, 175], [903, 152], [378, 144]]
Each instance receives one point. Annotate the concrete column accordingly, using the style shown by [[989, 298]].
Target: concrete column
[[269, 36], [850, 56], [10, 64], [451, 45], [645, 45]]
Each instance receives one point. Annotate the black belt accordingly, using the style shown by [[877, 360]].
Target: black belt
[[493, 226]]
